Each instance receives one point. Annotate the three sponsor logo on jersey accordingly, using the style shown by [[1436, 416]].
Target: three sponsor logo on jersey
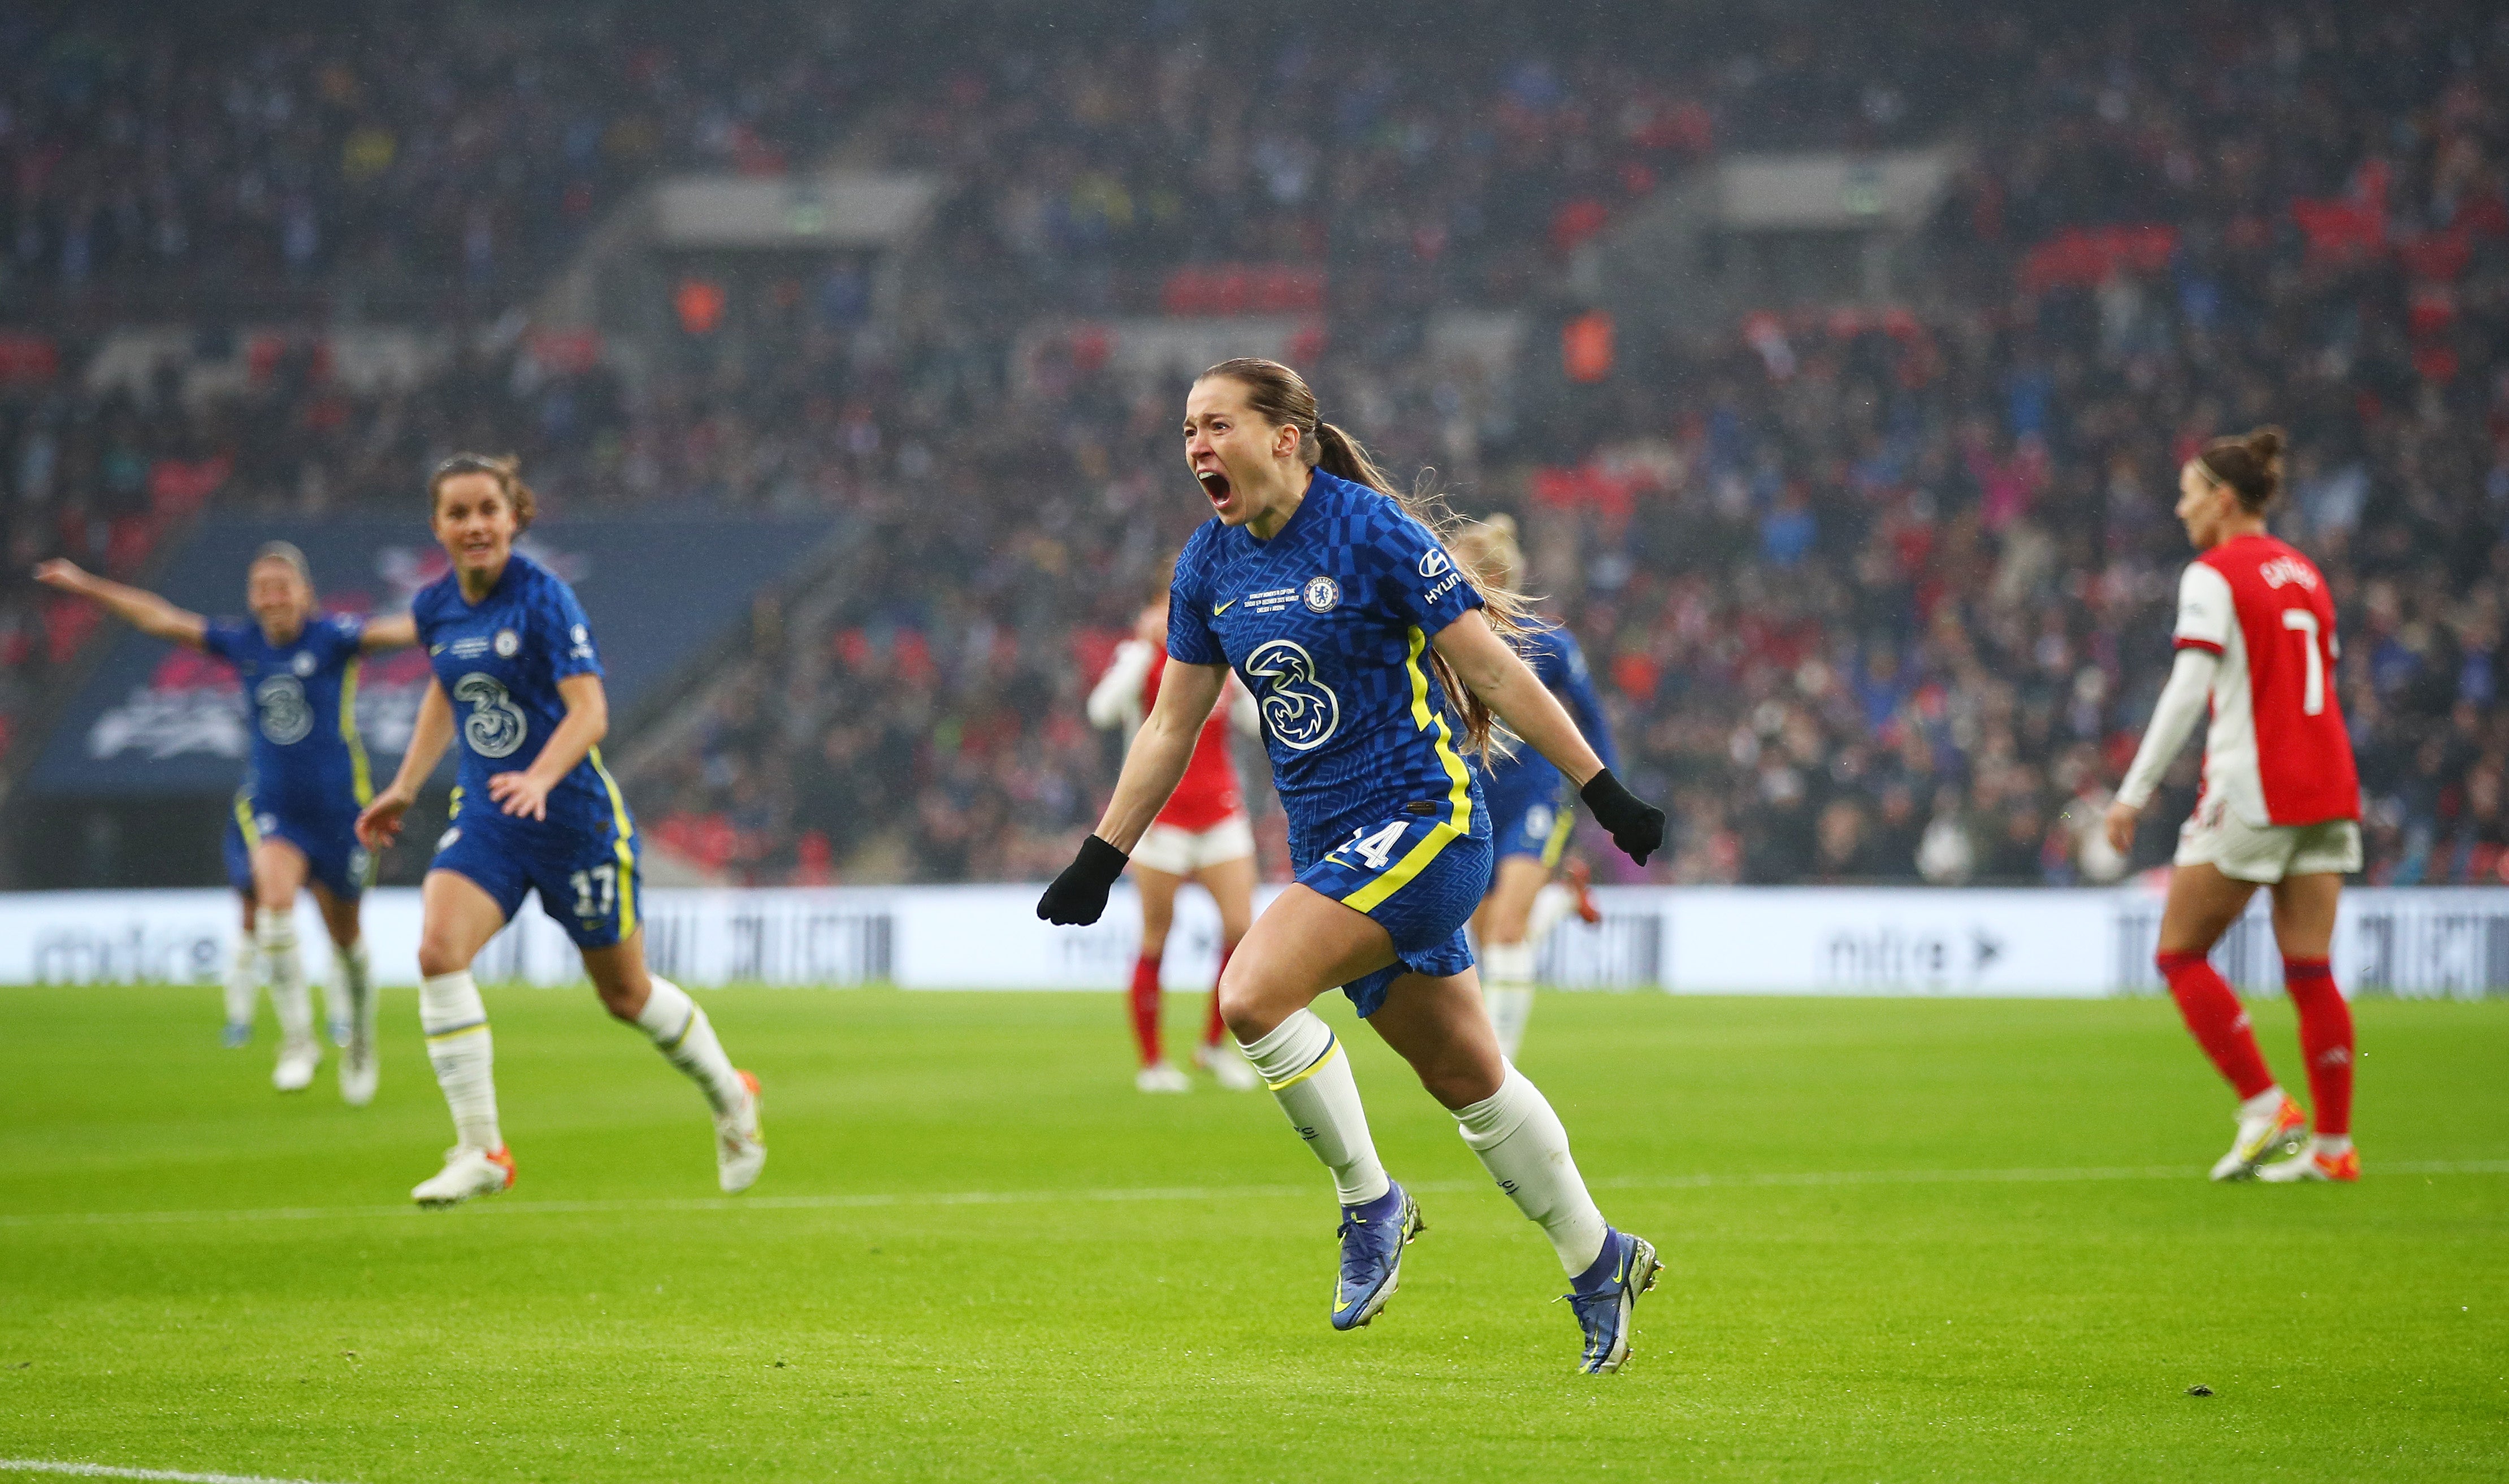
[[1298, 708]]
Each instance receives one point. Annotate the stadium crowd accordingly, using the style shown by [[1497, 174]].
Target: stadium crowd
[[1879, 596]]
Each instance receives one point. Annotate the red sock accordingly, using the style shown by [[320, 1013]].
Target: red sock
[[2216, 1020], [1215, 1027], [1146, 1007], [2325, 1039]]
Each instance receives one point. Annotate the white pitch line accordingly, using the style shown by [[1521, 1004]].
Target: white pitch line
[[882, 1200], [108, 1471]]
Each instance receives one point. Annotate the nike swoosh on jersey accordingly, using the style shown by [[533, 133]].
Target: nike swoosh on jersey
[[1218, 608]]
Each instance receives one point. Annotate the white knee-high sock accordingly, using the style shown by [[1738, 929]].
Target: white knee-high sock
[[686, 1038], [288, 994], [1507, 991], [464, 1055], [1522, 1145], [352, 975], [244, 980], [1552, 906], [1306, 1069]]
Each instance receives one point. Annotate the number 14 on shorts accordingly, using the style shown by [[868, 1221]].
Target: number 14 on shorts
[[1375, 846]]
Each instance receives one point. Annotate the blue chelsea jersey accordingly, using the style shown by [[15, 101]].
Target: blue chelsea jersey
[[1555, 660], [500, 662], [1327, 624], [302, 701]]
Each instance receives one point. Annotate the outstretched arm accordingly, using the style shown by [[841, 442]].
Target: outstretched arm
[[1156, 761], [398, 632], [143, 611], [1152, 766], [1508, 686]]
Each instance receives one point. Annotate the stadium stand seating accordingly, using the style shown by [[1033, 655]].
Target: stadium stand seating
[[1880, 594]]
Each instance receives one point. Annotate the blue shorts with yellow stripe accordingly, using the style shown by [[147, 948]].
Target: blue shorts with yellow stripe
[[588, 881], [1531, 808], [1420, 878], [328, 838]]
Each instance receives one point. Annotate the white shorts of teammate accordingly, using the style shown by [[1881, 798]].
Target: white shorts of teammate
[[1183, 852], [2265, 854]]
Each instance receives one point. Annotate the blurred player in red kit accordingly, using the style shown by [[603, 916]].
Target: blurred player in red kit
[[2280, 805], [1202, 836]]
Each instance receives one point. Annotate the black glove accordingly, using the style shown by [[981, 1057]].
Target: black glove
[[1636, 825], [1078, 897]]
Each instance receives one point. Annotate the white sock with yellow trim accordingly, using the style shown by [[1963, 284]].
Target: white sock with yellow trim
[[289, 996], [243, 982], [1524, 1147], [464, 1055], [686, 1038], [1507, 991], [1552, 906], [1306, 1069]]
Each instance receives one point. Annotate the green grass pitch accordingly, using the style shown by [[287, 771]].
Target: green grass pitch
[[1905, 1238]]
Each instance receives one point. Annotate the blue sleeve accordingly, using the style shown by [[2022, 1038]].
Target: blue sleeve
[[1416, 579], [223, 637], [565, 632], [1575, 684], [344, 633], [1190, 641]]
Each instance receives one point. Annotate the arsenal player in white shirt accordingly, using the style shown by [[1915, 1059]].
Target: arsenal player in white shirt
[[2279, 808], [1202, 836]]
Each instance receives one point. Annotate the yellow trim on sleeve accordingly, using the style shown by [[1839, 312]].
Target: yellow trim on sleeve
[[361, 777], [1460, 797], [244, 822]]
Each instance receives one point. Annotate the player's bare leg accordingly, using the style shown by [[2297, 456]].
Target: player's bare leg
[[686, 1038], [2304, 923], [1507, 946], [279, 872], [351, 996], [1231, 884], [1437, 1025], [459, 918], [2202, 905], [1157, 890]]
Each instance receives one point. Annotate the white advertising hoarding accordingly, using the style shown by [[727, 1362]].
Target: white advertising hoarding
[[2437, 940]]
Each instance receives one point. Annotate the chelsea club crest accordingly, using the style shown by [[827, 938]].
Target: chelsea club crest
[[1321, 594]]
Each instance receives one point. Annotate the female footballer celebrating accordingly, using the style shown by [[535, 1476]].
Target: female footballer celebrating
[[532, 810], [1336, 605], [2280, 807], [296, 814]]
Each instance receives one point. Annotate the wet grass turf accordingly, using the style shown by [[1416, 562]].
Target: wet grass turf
[[978, 1253]]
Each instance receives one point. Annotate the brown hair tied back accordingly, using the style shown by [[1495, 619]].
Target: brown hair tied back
[[507, 472], [2251, 464], [1282, 398]]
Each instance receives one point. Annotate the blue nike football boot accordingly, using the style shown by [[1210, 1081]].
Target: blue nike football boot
[[1605, 1296], [1373, 1238]]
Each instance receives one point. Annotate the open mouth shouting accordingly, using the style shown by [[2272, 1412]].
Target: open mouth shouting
[[1214, 484]]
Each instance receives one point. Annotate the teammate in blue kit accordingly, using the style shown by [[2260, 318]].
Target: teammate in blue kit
[[1376, 666], [296, 814], [534, 810], [1531, 805]]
